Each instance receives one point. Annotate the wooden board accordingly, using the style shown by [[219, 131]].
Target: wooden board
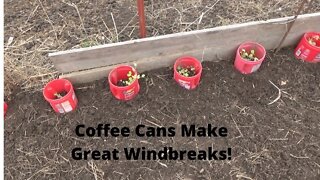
[[150, 53], [222, 40], [142, 65]]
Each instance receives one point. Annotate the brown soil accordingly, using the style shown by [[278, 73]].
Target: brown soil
[[42, 26], [277, 141], [121, 83]]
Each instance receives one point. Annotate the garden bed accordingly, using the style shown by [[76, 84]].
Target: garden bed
[[42, 27], [269, 140]]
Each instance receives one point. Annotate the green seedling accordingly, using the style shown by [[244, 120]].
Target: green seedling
[[312, 40], [131, 78], [189, 71], [59, 95], [249, 55]]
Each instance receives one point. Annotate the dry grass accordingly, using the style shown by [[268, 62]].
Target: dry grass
[[42, 26]]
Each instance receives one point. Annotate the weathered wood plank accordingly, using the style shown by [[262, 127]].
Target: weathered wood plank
[[220, 40], [142, 65]]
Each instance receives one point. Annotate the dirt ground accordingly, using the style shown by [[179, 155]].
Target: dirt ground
[[39, 27], [277, 141]]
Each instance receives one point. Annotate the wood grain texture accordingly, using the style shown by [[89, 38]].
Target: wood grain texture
[[210, 45], [142, 65]]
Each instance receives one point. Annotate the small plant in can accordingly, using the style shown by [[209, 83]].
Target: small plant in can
[[188, 71], [250, 56], [131, 78], [313, 40]]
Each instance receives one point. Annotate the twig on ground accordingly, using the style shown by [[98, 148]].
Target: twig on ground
[[81, 20], [128, 23], [98, 174], [31, 14], [279, 93], [243, 176], [162, 164], [278, 139], [202, 14], [115, 27], [317, 164], [241, 135], [299, 157], [49, 20], [42, 75], [200, 19], [153, 122], [111, 34]]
